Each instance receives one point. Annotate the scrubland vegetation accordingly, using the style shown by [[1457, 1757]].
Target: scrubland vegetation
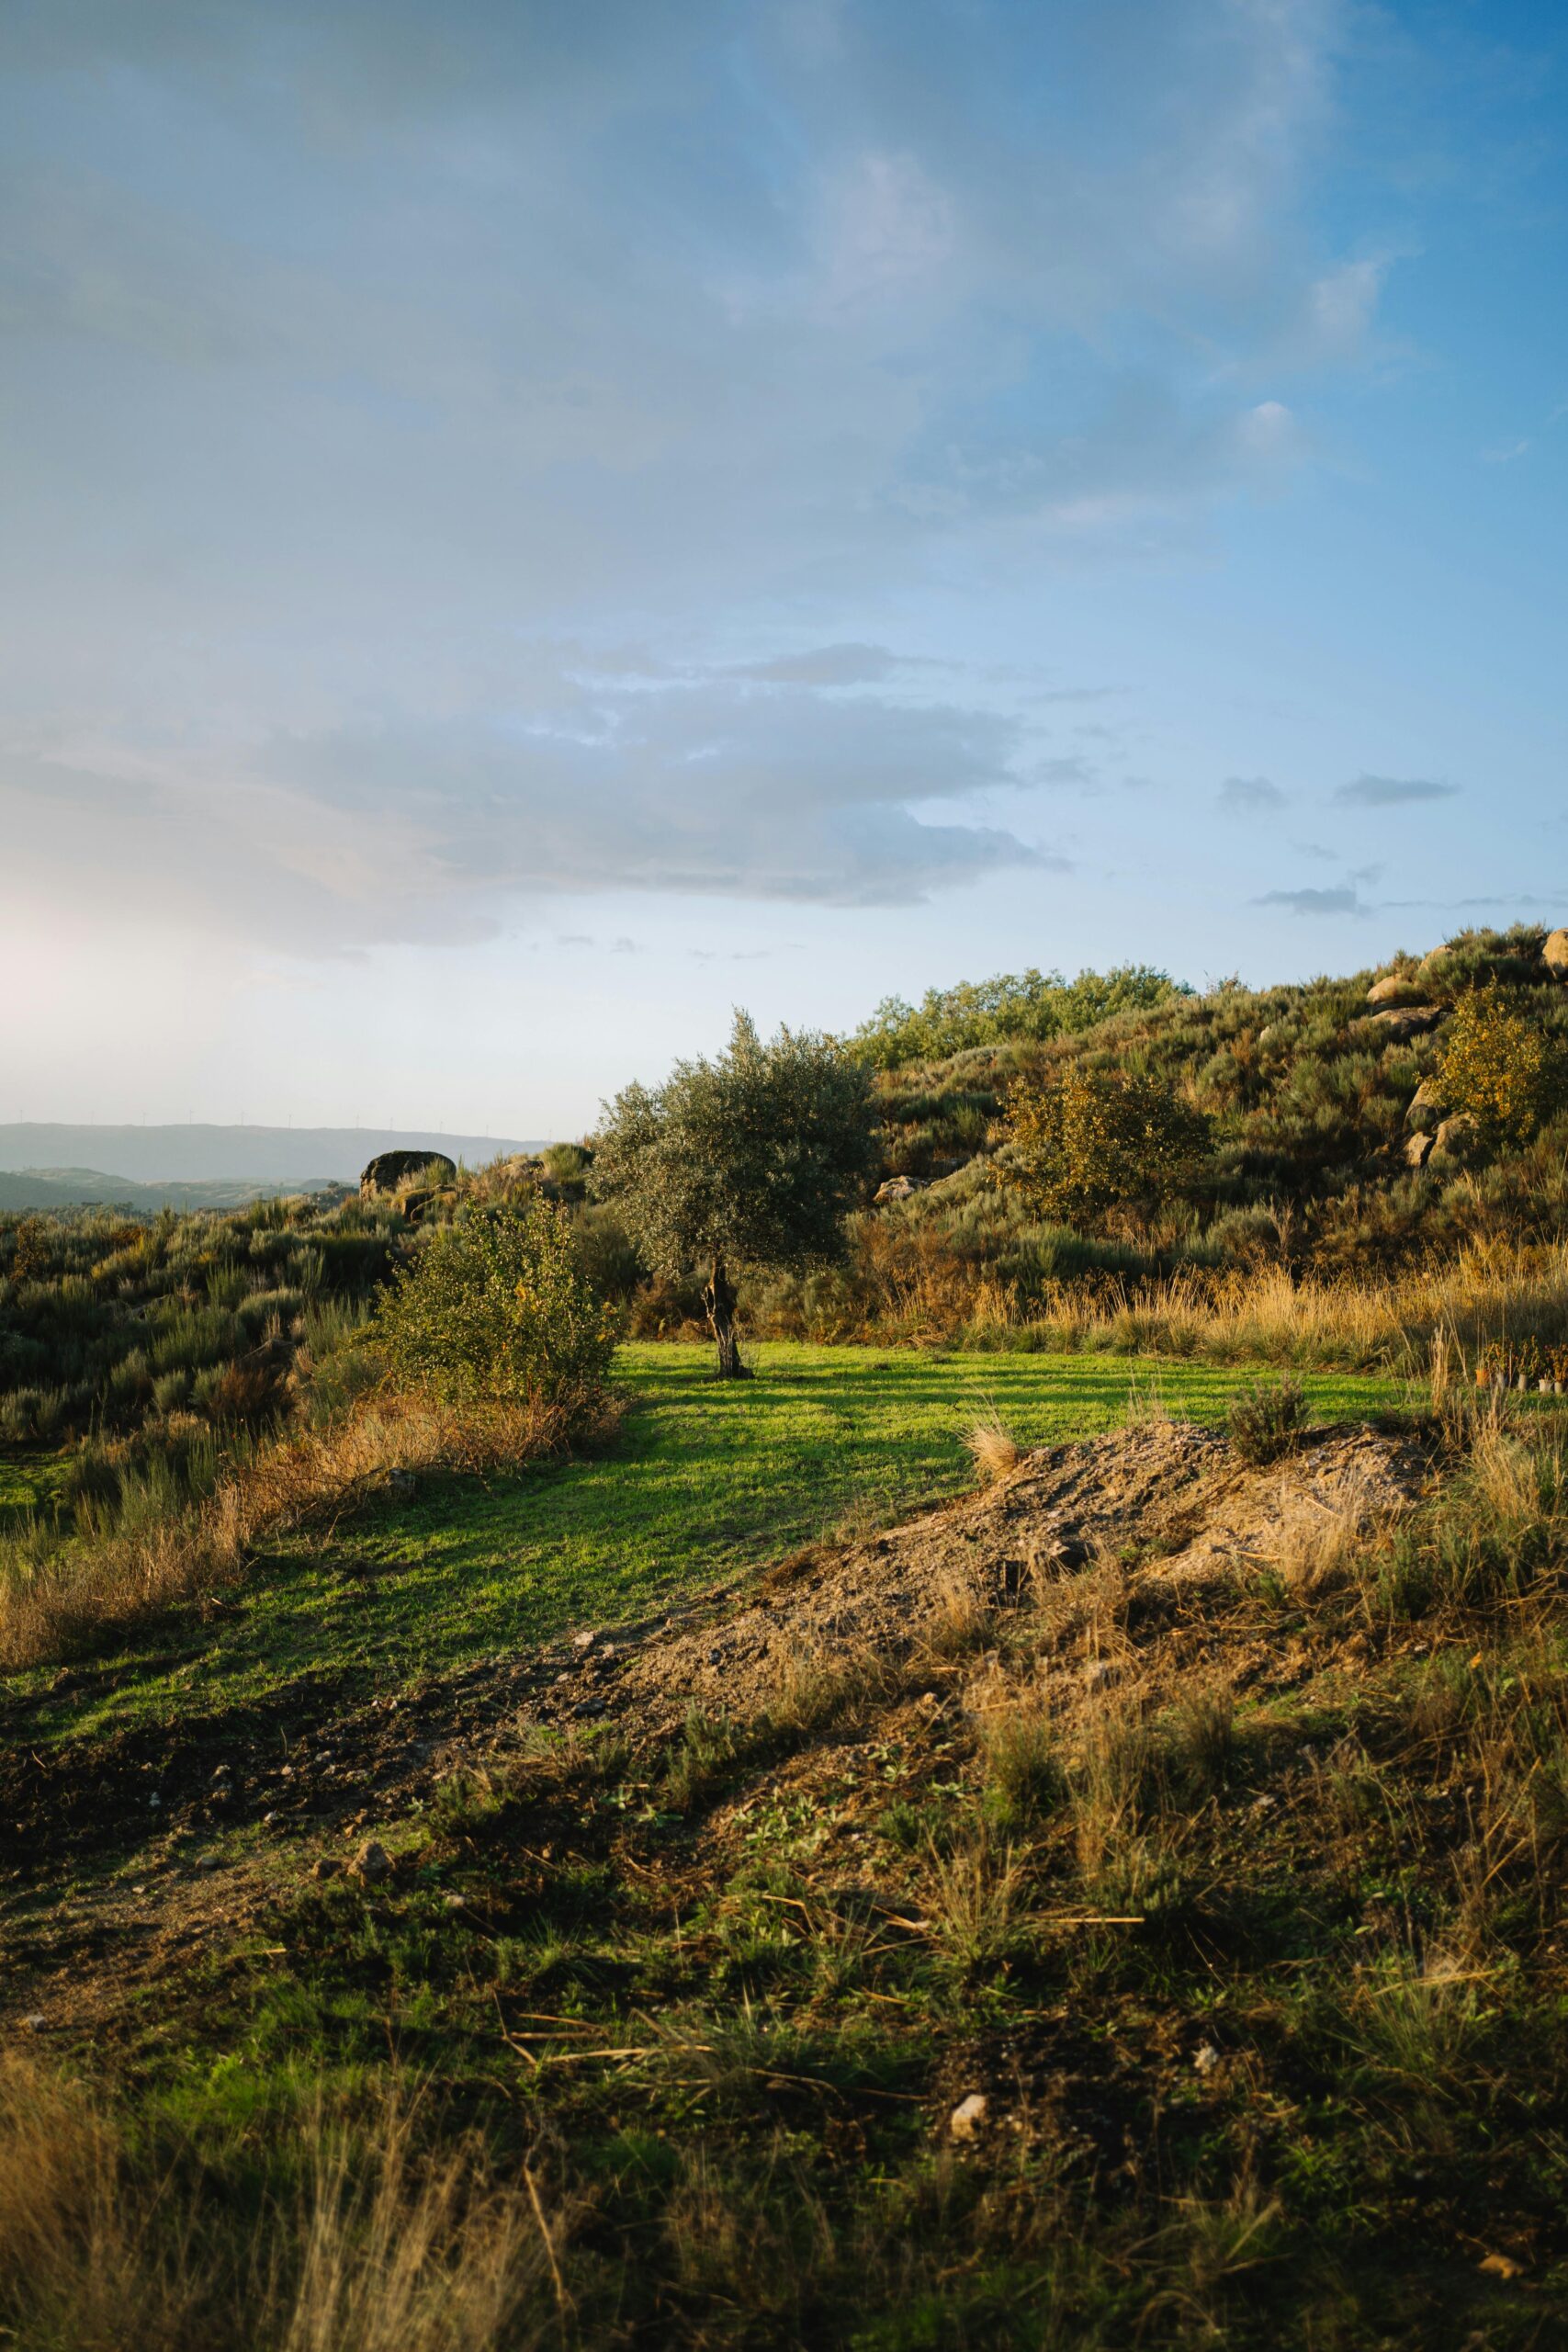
[[512, 1840]]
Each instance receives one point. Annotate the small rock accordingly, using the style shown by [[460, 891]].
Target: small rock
[[1503, 2265], [372, 1864], [583, 1641], [1390, 989], [968, 2118], [35, 2024], [1457, 1137], [328, 1866], [455, 1902], [898, 1187], [1418, 1150], [1099, 1670], [1205, 2058]]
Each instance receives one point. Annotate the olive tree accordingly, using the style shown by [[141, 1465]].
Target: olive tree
[[752, 1159]]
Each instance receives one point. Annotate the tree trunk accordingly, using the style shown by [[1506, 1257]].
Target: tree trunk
[[718, 1299]]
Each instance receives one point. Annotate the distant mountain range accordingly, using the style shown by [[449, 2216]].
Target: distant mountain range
[[72, 1188], [56, 1165]]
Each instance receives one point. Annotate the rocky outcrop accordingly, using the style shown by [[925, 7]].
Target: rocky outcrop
[[1394, 988], [1554, 954], [1457, 1138], [1417, 1150], [1428, 1109], [899, 1188], [389, 1170], [1408, 1021]]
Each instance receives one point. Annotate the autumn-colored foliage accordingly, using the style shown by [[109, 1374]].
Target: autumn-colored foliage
[[1091, 1141], [1500, 1064]]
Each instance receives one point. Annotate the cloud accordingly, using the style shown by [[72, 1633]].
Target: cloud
[[1392, 791], [415, 828], [830, 666], [1339, 901], [1250, 796], [353, 352]]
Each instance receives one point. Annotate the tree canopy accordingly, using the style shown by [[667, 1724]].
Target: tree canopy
[[753, 1159], [1030, 1004]]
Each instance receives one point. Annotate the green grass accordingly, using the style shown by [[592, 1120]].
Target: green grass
[[706, 1481]]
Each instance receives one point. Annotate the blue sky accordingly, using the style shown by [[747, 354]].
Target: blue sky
[[525, 526]]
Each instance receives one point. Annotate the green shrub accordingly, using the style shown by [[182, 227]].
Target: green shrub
[[1012, 1004], [497, 1306], [1267, 1418]]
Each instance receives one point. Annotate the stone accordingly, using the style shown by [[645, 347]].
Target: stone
[[583, 1640], [1408, 1021], [1417, 1150], [969, 2117], [1426, 1106], [326, 1866], [35, 2024], [1392, 989], [390, 1169], [1205, 2059], [1554, 954], [899, 1188], [1456, 1138], [372, 1864]]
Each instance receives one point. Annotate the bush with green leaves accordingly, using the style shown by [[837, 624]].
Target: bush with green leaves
[[496, 1306], [1267, 1418], [1030, 1004], [1091, 1141]]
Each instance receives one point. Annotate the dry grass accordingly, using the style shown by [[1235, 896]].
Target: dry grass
[[69, 1596], [103, 2246], [961, 1620], [993, 1448], [1321, 1535], [1457, 1306], [974, 1898]]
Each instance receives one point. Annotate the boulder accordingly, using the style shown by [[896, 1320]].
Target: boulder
[[1457, 1137], [1408, 1021], [1394, 988], [389, 1169], [1554, 954], [899, 1188], [1417, 1150], [1428, 1109]]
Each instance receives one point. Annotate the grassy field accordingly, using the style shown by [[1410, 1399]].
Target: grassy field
[[705, 1481], [1236, 1912]]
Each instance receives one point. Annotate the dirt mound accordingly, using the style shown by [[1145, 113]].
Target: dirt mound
[[1168, 1501]]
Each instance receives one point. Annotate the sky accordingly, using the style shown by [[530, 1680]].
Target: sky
[[527, 524]]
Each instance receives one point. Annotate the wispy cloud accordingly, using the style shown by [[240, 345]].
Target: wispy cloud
[[1392, 791], [1250, 796], [1342, 901]]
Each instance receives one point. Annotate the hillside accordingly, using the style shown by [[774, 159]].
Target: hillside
[[1320, 1163], [280, 1159], [68, 1188]]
